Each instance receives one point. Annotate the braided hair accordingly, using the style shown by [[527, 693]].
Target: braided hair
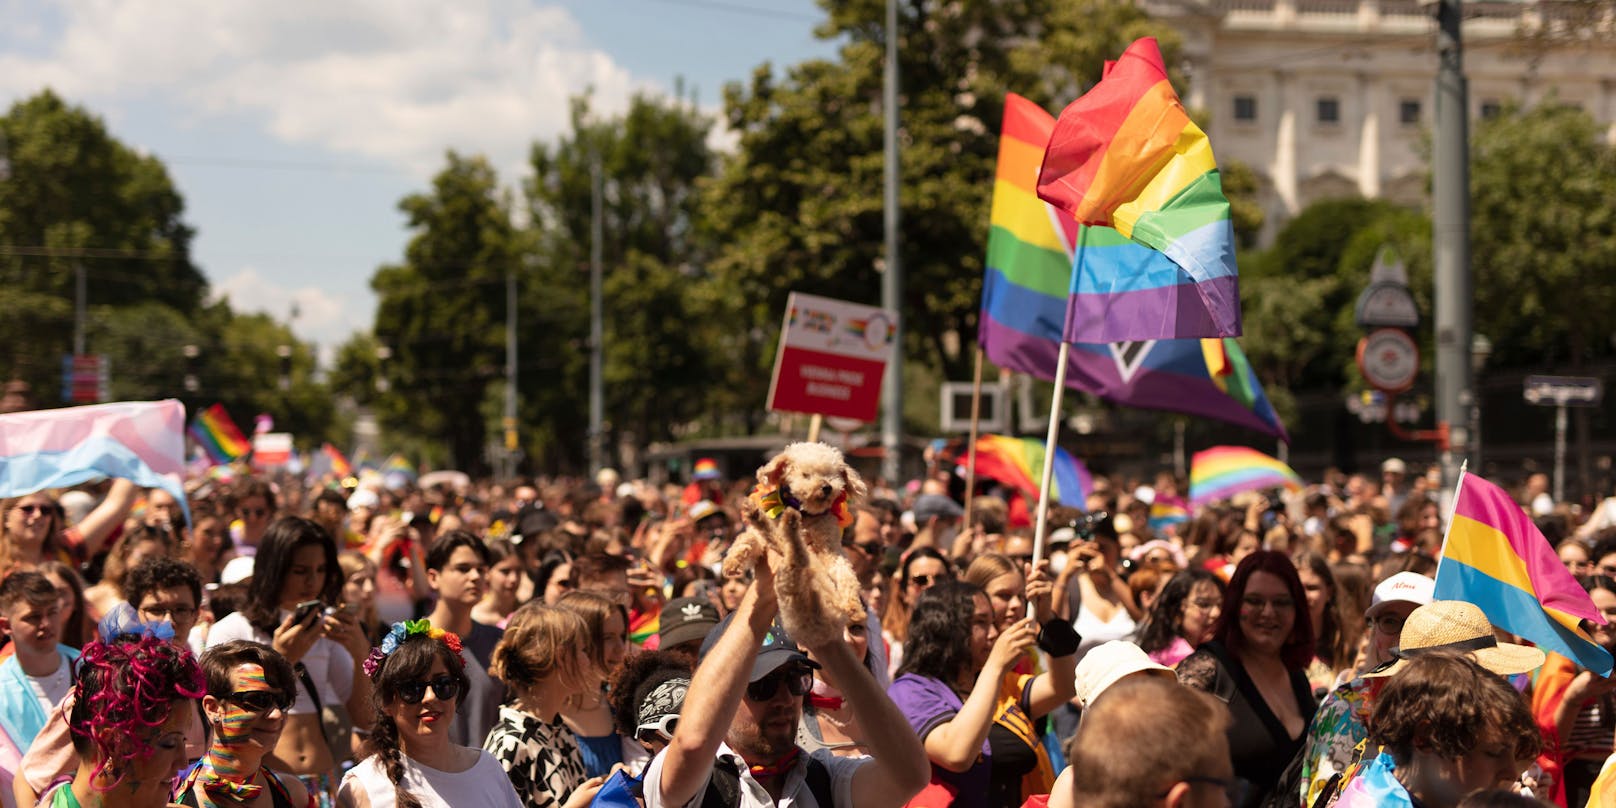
[[410, 661]]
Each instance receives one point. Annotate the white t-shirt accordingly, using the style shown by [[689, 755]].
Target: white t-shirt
[[753, 795], [484, 785], [328, 663], [50, 688]]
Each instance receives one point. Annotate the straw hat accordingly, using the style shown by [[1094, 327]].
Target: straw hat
[[1456, 627]]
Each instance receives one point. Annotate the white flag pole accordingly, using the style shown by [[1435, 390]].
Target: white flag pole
[[1041, 528], [1453, 508]]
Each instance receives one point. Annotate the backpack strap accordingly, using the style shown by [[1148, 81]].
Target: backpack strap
[[818, 780]]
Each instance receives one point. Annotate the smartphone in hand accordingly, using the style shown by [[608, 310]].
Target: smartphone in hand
[[307, 608]]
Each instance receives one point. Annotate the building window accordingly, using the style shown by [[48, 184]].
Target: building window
[[1408, 112], [1245, 108], [1329, 110], [1490, 108]]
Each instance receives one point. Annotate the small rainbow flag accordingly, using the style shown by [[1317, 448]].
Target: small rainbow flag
[[1223, 471], [643, 625], [1019, 463], [1167, 513], [396, 464], [1127, 156], [218, 436], [1496, 558], [339, 462]]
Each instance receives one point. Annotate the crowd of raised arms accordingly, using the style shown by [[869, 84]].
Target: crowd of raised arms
[[287, 642]]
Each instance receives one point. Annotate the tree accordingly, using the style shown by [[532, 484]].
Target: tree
[[798, 207], [441, 311]]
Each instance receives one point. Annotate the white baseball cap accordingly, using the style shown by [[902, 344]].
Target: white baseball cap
[[239, 569], [1404, 587], [1105, 664]]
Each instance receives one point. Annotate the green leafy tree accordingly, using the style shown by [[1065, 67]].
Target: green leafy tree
[[441, 311], [798, 207]]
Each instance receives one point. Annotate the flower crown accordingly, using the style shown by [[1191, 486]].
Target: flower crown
[[402, 631]]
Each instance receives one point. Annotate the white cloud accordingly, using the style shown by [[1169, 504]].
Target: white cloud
[[398, 81], [322, 317]]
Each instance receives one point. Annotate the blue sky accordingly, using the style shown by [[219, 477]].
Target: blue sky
[[293, 128]]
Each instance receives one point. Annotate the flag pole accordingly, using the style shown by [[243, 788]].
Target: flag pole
[[970, 448], [1049, 460], [1453, 510]]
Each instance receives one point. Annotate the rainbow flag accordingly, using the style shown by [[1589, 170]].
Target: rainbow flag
[[1223, 471], [339, 463], [643, 626], [1167, 513], [396, 464], [1019, 463], [1157, 260], [1025, 299], [140, 441], [1495, 557], [218, 436]]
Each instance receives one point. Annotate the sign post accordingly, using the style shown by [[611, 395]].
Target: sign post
[[831, 359], [1561, 392]]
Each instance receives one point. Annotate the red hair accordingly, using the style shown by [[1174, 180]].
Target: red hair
[[1297, 651]]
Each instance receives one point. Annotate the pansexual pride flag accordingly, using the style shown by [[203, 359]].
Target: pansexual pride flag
[[1495, 558], [1019, 463], [1127, 156], [140, 441], [1223, 471], [218, 436]]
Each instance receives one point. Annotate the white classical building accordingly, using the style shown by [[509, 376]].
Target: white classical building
[[1331, 98]]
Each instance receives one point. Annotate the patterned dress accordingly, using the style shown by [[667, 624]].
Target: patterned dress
[[1337, 732], [540, 757]]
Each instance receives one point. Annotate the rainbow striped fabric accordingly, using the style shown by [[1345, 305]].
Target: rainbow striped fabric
[[339, 462], [1495, 558], [1019, 463], [1127, 156], [1223, 471], [140, 441], [1024, 305], [218, 436]]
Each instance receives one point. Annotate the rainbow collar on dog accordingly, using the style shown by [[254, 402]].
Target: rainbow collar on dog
[[774, 502]]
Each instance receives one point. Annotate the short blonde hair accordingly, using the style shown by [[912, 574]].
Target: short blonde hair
[[1142, 735], [536, 645]]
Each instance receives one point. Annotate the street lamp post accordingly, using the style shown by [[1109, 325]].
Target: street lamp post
[[1480, 349]]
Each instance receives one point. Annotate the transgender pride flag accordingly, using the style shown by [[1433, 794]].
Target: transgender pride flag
[[140, 441]]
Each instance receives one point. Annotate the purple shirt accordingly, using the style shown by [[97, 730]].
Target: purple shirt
[[927, 702]]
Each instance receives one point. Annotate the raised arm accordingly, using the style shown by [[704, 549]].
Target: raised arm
[[1058, 639], [715, 693], [956, 743], [98, 524], [899, 768]]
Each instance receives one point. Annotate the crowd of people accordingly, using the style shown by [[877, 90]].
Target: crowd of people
[[367, 643]]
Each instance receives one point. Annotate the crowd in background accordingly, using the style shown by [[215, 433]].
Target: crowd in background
[[278, 641]]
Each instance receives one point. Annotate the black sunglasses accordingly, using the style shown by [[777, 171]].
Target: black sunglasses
[[262, 701], [31, 509], [447, 687], [796, 680]]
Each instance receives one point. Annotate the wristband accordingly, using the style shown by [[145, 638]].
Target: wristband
[[1058, 639]]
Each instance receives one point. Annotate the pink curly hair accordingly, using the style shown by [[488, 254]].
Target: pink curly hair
[[124, 689]]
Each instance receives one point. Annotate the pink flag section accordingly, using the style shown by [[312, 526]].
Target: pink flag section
[[1491, 506], [140, 441]]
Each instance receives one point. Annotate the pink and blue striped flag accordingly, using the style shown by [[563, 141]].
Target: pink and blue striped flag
[[140, 441], [1497, 559], [1155, 258]]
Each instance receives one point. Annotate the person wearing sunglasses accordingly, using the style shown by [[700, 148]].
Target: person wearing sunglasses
[[254, 505], [543, 659], [921, 569], [35, 529], [249, 690], [418, 673], [647, 695], [735, 739]]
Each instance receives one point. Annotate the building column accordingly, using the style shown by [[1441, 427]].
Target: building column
[[1370, 105], [1284, 169]]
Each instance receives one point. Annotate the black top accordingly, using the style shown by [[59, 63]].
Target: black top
[[1258, 744], [1012, 760]]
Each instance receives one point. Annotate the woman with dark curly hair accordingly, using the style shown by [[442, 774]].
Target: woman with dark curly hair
[[419, 676], [647, 695], [1446, 727], [1181, 617], [956, 683], [132, 702], [1255, 663]]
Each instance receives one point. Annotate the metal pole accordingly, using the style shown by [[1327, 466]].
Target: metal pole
[[78, 310], [1451, 238], [508, 460], [892, 278], [1559, 452], [597, 347]]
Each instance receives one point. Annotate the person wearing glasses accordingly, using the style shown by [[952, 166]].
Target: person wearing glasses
[[131, 703], [249, 690], [735, 740], [35, 528], [543, 659], [1255, 663], [1181, 616], [1150, 741], [418, 673]]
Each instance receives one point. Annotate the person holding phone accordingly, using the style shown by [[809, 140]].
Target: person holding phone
[[295, 576]]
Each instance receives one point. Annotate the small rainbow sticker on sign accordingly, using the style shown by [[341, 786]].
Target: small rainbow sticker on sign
[[875, 331]]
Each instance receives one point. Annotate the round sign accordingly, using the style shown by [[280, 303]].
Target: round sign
[[1389, 360]]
